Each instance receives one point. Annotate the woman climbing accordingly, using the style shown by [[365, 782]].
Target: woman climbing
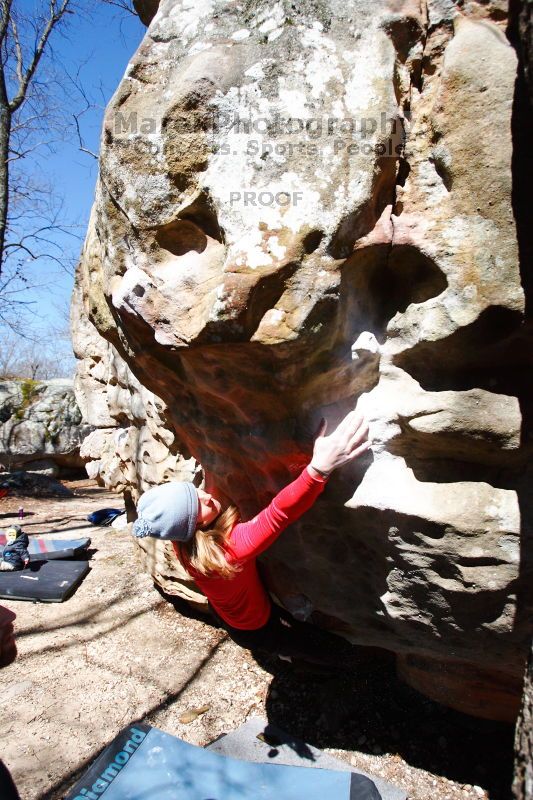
[[219, 551]]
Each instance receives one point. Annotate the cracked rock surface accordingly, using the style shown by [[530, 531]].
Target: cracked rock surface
[[41, 427], [300, 205]]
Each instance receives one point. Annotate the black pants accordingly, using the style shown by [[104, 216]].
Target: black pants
[[285, 636]]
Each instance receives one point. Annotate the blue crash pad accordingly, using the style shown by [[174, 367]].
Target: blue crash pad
[[144, 763]]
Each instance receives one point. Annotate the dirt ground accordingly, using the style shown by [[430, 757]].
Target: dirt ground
[[117, 652]]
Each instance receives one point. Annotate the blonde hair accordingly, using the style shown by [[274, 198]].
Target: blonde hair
[[206, 551]]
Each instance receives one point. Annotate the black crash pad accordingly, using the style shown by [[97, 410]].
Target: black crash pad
[[46, 581], [144, 762]]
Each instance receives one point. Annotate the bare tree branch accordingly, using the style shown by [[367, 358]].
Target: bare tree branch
[[18, 50], [27, 75], [24, 153], [124, 5], [82, 146]]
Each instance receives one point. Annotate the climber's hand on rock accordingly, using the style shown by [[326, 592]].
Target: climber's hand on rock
[[345, 443]]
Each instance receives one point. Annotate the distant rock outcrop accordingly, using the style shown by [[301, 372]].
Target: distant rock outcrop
[[33, 484], [303, 204], [41, 426]]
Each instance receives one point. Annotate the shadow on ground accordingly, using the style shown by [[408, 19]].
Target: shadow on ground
[[58, 789], [362, 708], [366, 708]]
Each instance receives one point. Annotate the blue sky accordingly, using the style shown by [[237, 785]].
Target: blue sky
[[99, 43]]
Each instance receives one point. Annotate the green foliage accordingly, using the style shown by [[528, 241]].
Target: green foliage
[[29, 389]]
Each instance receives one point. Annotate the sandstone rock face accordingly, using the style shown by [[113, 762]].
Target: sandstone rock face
[[303, 205], [131, 445], [523, 777], [41, 426]]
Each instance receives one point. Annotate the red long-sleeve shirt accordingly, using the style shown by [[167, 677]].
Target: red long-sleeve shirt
[[242, 600]]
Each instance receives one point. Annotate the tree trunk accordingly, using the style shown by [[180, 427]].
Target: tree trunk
[[5, 132]]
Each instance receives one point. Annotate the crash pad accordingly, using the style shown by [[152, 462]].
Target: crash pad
[[144, 762], [45, 581], [40, 546], [258, 739]]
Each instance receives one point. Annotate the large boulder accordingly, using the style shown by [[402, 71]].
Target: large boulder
[[300, 205], [41, 427]]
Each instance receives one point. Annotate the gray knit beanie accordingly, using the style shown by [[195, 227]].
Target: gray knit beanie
[[169, 511]]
